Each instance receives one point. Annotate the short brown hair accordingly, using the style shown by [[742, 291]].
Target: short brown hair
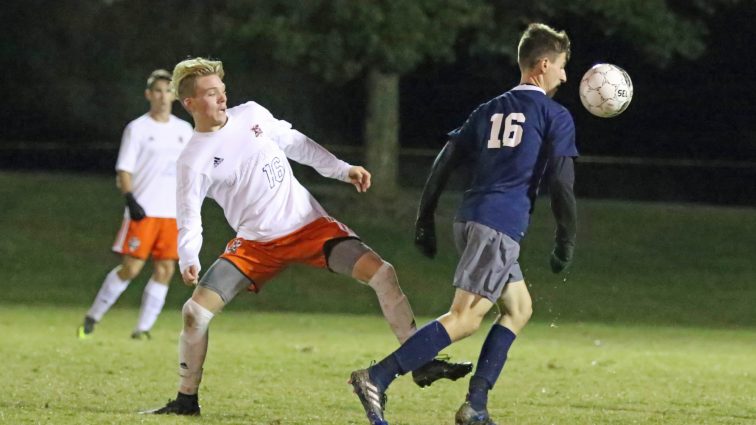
[[186, 72], [539, 41], [156, 75]]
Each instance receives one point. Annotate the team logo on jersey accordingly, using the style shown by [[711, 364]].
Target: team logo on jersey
[[233, 246], [134, 243], [257, 130], [217, 161], [181, 139]]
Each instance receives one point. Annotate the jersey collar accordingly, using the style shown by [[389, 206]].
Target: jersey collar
[[529, 87]]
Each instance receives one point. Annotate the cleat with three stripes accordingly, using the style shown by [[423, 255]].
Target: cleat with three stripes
[[373, 399]]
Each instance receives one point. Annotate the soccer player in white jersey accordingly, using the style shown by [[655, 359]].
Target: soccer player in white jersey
[[239, 157], [146, 175]]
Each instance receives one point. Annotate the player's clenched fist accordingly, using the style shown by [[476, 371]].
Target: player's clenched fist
[[425, 237], [561, 257], [136, 212], [360, 178], [190, 275]]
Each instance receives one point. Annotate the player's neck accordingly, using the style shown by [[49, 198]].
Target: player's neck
[[533, 80], [160, 116]]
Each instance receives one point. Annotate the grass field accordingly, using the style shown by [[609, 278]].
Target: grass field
[[291, 368], [654, 323], [636, 263]]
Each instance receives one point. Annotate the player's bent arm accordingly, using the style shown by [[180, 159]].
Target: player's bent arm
[[191, 188], [446, 161], [306, 151], [563, 204]]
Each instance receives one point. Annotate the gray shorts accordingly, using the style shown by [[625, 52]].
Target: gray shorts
[[224, 279], [488, 260]]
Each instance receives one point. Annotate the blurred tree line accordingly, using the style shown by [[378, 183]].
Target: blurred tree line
[[366, 73]]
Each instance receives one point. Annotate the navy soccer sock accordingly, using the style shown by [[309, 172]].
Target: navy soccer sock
[[421, 348], [490, 363]]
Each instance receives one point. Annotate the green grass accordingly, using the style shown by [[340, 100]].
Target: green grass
[[636, 263], [291, 368], [654, 323]]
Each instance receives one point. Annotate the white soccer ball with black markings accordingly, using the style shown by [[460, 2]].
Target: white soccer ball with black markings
[[606, 90]]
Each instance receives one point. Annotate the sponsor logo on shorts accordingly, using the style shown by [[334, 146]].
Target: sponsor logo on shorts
[[233, 246], [217, 161], [134, 243]]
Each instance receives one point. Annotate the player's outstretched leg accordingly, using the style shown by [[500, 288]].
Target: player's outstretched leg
[[184, 404], [440, 368], [373, 398], [466, 415]]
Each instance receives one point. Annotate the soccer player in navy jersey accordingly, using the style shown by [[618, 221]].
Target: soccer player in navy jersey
[[513, 142]]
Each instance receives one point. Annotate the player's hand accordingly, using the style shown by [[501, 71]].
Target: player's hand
[[561, 257], [425, 236], [136, 212], [360, 178], [190, 275]]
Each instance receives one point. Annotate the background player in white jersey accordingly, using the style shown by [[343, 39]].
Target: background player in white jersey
[[511, 142], [146, 175], [239, 158]]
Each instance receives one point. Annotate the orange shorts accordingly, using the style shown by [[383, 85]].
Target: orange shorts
[[149, 236], [260, 261]]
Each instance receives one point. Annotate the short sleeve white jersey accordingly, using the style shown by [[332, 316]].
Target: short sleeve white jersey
[[244, 168], [149, 151]]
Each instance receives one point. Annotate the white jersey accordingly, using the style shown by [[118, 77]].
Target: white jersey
[[244, 168], [149, 150]]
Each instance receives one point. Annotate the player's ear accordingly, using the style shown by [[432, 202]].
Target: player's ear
[[147, 94], [543, 64], [187, 104]]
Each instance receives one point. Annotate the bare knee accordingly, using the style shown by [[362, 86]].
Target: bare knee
[[522, 314], [130, 268], [461, 323], [164, 270], [516, 316]]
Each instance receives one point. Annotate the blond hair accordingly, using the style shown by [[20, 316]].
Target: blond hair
[[186, 72], [539, 41]]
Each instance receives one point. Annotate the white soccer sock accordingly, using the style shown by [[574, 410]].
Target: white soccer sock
[[394, 304], [193, 346], [153, 299], [111, 289]]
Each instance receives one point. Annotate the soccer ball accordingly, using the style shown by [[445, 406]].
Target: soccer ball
[[606, 90]]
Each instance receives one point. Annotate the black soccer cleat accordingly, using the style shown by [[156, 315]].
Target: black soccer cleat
[[466, 415], [183, 405], [440, 368], [372, 398], [85, 330], [141, 335]]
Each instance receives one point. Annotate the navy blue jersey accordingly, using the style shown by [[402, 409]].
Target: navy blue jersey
[[509, 141]]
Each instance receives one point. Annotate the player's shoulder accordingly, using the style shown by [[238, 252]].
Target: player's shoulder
[[183, 128], [194, 155], [550, 107], [558, 112], [138, 122], [250, 108], [178, 122]]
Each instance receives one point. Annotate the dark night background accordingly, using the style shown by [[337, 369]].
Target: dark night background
[[688, 135]]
